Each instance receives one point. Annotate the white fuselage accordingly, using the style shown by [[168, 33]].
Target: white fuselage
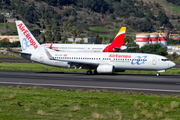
[[121, 61], [102, 62], [76, 47]]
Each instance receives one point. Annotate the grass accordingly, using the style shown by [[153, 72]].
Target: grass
[[177, 61], [1, 56], [114, 29], [1, 25], [41, 67], [174, 8], [11, 27], [98, 29], [108, 36], [44, 103], [101, 29], [33, 67], [37, 103], [168, 5]]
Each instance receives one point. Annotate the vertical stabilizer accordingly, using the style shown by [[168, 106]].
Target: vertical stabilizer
[[117, 42], [27, 40], [119, 39]]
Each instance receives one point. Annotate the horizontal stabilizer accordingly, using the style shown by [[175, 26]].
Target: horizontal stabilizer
[[25, 53], [49, 55]]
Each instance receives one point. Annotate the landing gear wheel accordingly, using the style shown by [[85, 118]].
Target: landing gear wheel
[[95, 72], [158, 74], [89, 72]]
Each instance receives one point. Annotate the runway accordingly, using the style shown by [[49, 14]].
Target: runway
[[165, 84]]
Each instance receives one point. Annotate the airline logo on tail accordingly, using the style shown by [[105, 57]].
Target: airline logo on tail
[[28, 39], [118, 41]]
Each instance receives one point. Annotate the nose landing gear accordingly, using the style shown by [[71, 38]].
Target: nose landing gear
[[158, 74]]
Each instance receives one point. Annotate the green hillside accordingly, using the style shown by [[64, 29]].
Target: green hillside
[[67, 18]]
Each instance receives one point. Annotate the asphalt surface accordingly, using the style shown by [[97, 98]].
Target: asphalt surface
[[165, 84]]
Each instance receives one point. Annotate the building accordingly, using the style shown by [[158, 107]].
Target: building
[[10, 38], [172, 49], [174, 36], [11, 20], [151, 38], [7, 15]]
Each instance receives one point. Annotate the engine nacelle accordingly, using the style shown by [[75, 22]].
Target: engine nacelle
[[123, 47], [105, 69]]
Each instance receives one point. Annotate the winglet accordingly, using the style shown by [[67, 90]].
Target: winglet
[[117, 42], [51, 45]]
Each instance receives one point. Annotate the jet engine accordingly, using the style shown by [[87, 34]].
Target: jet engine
[[123, 47], [105, 69]]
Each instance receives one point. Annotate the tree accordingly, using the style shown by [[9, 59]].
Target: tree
[[132, 47], [67, 12], [16, 44], [35, 32], [98, 39], [48, 36], [124, 8], [112, 16], [42, 37], [3, 43], [100, 6], [29, 13], [75, 33], [81, 41], [65, 28], [129, 39], [176, 2], [175, 55], [162, 51], [154, 49], [1, 18], [139, 13], [145, 25], [162, 18]]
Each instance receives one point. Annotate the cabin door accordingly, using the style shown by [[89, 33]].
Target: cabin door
[[41, 58], [154, 60]]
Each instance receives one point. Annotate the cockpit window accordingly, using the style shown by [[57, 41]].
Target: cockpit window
[[165, 59]]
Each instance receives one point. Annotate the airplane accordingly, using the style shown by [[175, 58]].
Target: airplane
[[100, 62], [116, 45]]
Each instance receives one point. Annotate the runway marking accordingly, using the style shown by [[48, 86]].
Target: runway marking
[[99, 87]]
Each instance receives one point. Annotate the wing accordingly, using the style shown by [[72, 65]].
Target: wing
[[74, 63]]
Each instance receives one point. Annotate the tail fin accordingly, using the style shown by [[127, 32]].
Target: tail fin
[[27, 40], [117, 42]]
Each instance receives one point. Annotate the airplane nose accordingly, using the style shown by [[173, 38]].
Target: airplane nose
[[171, 64]]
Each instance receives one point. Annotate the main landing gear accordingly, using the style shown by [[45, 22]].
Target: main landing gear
[[89, 72]]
